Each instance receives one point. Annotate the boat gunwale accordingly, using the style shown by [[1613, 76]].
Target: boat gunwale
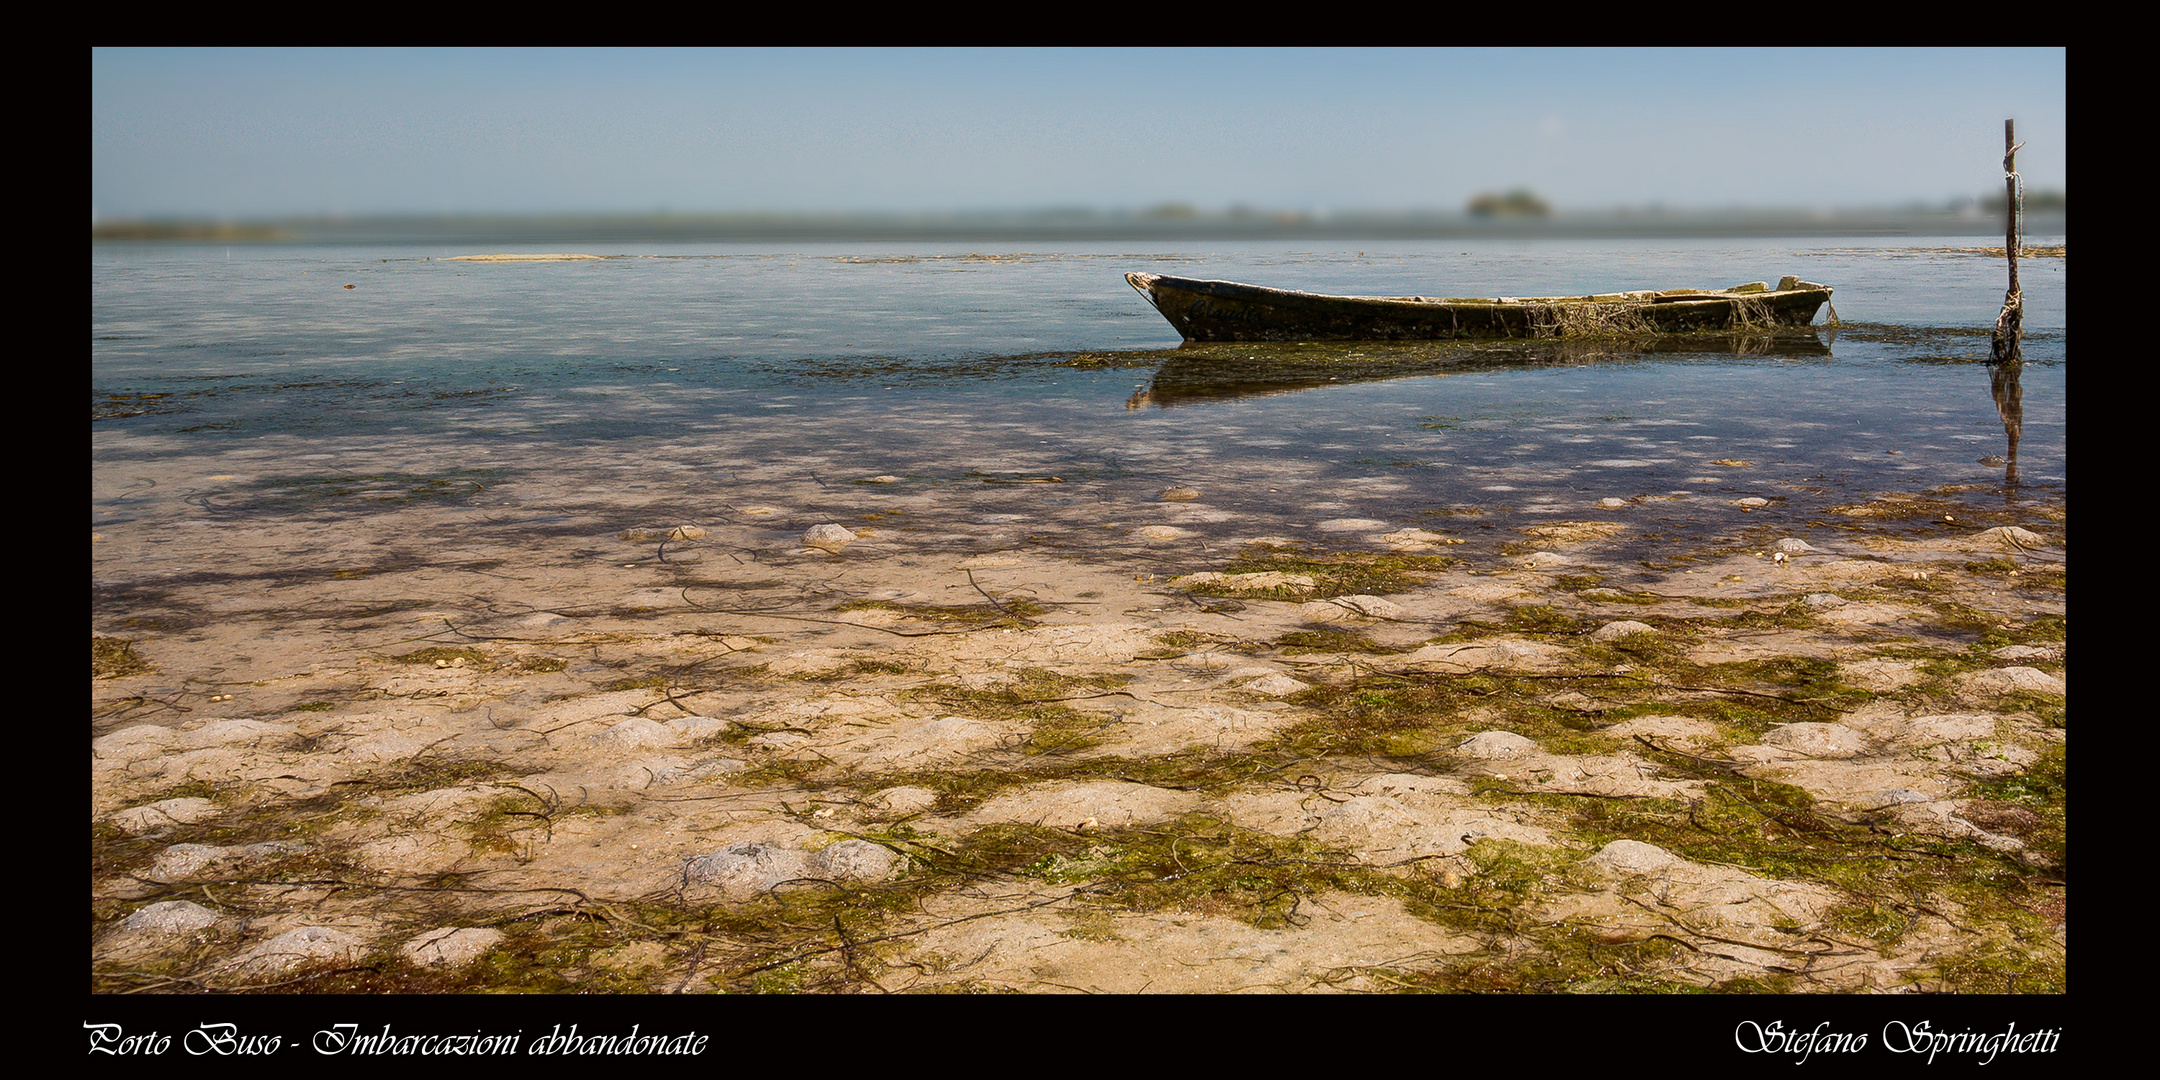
[[1202, 309]]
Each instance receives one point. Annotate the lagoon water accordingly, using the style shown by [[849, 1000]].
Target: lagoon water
[[664, 382]]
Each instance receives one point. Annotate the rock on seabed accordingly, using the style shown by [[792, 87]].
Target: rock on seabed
[[828, 537], [450, 947], [171, 917]]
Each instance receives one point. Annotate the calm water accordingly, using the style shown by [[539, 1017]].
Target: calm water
[[699, 368]]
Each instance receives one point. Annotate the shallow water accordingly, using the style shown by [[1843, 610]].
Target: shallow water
[[251, 383], [362, 556]]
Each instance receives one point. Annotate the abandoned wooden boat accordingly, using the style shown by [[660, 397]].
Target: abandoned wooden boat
[[1227, 311]]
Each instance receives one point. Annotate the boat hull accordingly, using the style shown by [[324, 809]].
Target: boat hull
[[1228, 311]]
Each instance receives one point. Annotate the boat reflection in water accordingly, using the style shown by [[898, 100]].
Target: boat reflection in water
[[2009, 394], [1200, 372]]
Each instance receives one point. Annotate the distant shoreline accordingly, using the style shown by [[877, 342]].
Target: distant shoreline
[[1057, 226]]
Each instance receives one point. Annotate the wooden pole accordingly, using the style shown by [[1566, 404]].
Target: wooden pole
[[2010, 324]]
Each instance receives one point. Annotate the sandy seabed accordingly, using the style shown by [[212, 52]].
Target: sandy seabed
[[431, 732]]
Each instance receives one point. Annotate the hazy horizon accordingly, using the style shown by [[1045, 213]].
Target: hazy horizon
[[254, 134]]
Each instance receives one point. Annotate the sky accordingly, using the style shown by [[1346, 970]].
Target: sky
[[239, 134]]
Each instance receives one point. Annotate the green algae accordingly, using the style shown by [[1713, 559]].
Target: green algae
[[445, 656], [1036, 698], [1345, 573], [1014, 611], [1325, 639], [113, 658]]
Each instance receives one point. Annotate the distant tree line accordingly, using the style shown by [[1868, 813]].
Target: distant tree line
[[2041, 201], [1519, 203]]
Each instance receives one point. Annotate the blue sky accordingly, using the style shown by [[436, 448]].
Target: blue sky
[[265, 133]]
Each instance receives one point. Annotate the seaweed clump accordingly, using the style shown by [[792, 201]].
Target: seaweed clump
[[111, 658]]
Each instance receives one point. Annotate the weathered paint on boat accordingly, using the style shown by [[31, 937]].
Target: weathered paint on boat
[[1228, 311]]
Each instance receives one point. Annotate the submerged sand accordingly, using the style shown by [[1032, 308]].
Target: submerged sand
[[417, 737]]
